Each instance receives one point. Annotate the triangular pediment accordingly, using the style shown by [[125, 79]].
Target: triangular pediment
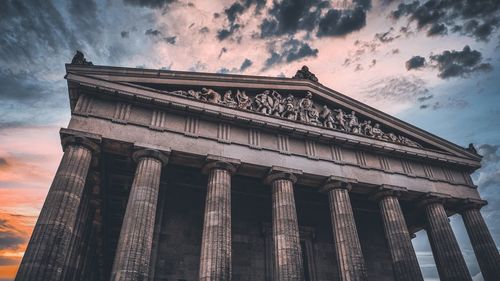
[[295, 100]]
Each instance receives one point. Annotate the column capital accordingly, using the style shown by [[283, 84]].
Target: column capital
[[471, 203], [162, 156], [334, 182], [82, 141], [433, 197], [220, 162], [281, 173], [388, 190]]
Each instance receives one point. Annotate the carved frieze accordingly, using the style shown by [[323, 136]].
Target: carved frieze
[[304, 110]]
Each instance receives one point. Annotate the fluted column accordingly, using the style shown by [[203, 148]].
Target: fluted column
[[484, 247], [449, 259], [404, 258], [215, 259], [286, 240], [52, 241], [136, 236], [350, 259]]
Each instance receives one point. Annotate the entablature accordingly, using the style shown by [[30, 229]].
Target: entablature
[[164, 104]]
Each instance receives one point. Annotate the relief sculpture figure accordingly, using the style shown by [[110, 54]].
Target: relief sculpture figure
[[244, 102], [210, 95], [353, 123], [305, 105], [228, 99], [271, 102], [264, 102], [326, 116], [289, 111]]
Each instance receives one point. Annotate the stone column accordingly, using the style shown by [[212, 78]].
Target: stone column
[[486, 251], [449, 260], [136, 236], [350, 259], [286, 240], [215, 258], [52, 241], [404, 258]]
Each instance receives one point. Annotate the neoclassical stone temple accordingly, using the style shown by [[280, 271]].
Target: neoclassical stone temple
[[177, 176]]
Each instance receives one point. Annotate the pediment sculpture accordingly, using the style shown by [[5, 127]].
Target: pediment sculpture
[[272, 103]]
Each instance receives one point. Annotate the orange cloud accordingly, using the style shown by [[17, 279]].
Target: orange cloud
[[28, 160]]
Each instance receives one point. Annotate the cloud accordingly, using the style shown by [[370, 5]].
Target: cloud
[[291, 16], [26, 100], [459, 63], [340, 23], [290, 50], [10, 238], [450, 103], [204, 30], [149, 3], [415, 62], [152, 32], [487, 178], [225, 33], [232, 14], [452, 63], [396, 89], [170, 40], [124, 34], [386, 37], [246, 64], [477, 19], [425, 98], [437, 29]]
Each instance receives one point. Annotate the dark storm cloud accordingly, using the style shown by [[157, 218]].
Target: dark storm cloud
[[291, 16], [452, 63], [148, 3], [246, 64], [339, 23], [225, 33], [459, 63], [25, 100], [415, 62], [233, 12], [290, 50], [124, 34], [39, 23], [437, 29], [477, 19]]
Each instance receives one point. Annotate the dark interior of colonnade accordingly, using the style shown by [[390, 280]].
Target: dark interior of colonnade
[[179, 221]]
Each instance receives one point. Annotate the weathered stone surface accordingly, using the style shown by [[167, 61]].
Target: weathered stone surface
[[404, 259], [350, 259], [52, 243], [449, 260], [484, 247], [215, 258], [136, 236], [287, 251]]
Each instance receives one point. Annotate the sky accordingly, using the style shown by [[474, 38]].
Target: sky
[[434, 64]]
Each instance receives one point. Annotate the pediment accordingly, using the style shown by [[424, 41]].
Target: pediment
[[294, 100]]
